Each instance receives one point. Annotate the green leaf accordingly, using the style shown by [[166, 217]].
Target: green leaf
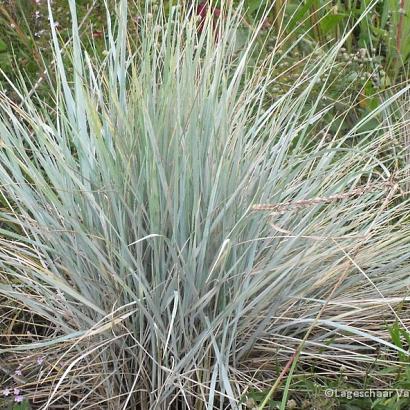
[[3, 46], [331, 21], [253, 5], [25, 405], [406, 335], [298, 14]]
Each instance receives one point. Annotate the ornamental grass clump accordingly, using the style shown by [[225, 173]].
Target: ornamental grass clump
[[146, 260]]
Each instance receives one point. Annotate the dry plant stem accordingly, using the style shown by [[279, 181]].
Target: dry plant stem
[[279, 10], [302, 203], [315, 21], [399, 32]]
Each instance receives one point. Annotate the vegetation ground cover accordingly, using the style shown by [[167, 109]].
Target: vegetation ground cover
[[204, 206]]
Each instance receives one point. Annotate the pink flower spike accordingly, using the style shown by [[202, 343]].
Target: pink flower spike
[[18, 399], [18, 372], [16, 391], [6, 392]]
